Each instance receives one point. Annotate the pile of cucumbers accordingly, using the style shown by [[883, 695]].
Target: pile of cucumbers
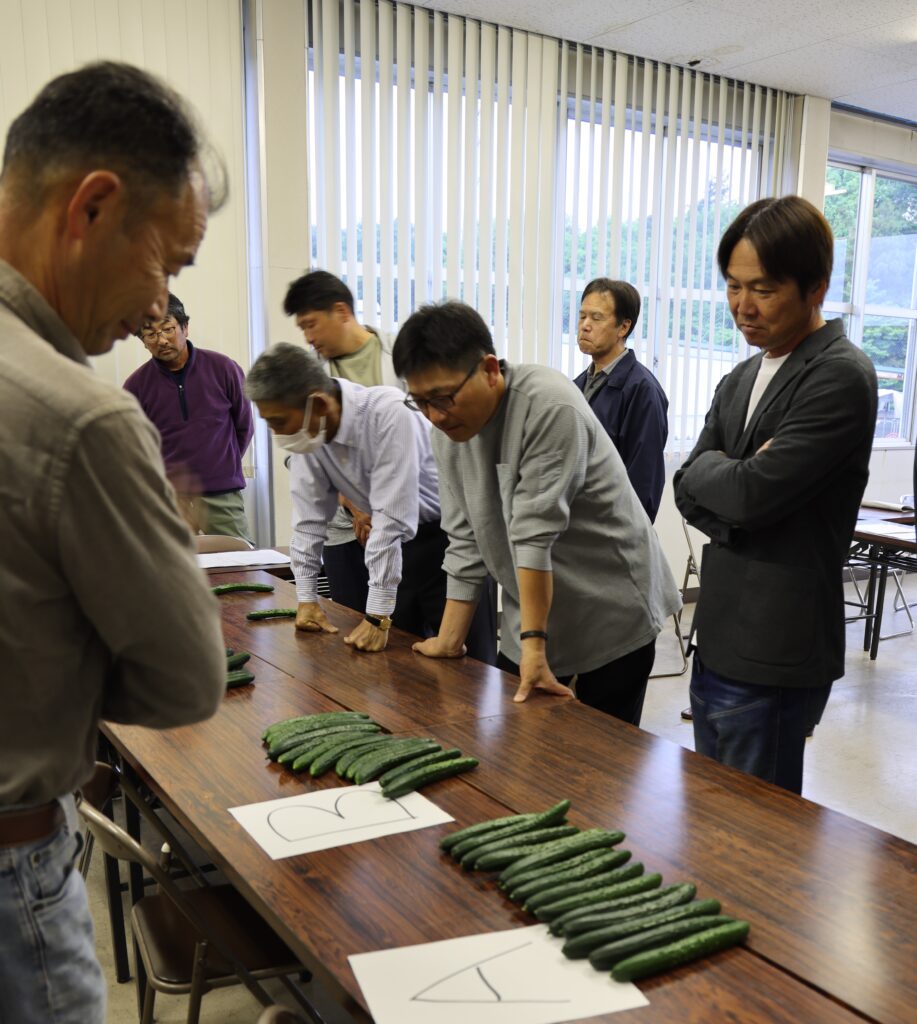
[[354, 745], [605, 907], [236, 675]]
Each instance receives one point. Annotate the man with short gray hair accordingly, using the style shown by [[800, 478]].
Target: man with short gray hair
[[366, 444], [104, 613]]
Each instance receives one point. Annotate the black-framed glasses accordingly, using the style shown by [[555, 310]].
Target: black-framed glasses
[[152, 333], [442, 403]]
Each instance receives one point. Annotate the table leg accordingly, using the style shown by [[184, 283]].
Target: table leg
[[877, 621], [870, 605]]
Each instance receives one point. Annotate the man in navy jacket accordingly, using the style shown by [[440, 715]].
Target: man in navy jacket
[[625, 396]]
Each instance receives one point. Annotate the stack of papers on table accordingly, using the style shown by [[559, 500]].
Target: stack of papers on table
[[893, 531], [223, 559]]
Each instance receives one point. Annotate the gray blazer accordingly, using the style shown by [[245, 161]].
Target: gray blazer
[[771, 608]]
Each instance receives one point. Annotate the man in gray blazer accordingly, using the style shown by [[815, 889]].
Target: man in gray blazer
[[775, 481]]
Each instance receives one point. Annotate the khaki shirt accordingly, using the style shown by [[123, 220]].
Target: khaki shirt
[[104, 613]]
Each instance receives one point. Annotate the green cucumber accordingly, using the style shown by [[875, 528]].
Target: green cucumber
[[499, 854], [549, 817], [545, 875], [429, 773], [378, 761], [586, 919], [641, 965], [591, 839], [303, 726], [312, 721], [588, 866], [240, 677], [298, 738], [272, 613], [327, 757], [579, 946], [238, 588], [237, 660], [392, 775], [545, 820], [229, 652], [558, 892], [349, 756], [605, 957], [366, 762], [548, 911]]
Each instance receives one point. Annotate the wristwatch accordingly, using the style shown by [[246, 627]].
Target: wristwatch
[[380, 622]]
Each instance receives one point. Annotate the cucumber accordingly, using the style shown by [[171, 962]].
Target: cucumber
[[429, 773], [476, 842], [327, 757], [587, 919], [513, 849], [310, 721], [579, 946], [549, 875], [240, 677], [346, 759], [311, 746], [272, 613], [605, 957], [559, 892], [229, 652], [590, 864], [549, 817], [379, 761], [641, 965], [548, 911], [386, 778], [238, 588], [237, 660], [592, 839], [298, 738], [400, 745]]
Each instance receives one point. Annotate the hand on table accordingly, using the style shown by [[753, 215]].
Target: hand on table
[[367, 637], [438, 647], [536, 674], [311, 619]]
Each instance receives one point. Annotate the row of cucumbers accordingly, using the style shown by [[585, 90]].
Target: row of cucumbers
[[603, 905], [236, 675], [354, 745]]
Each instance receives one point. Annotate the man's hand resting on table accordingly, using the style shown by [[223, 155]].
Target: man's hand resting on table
[[438, 647], [536, 674], [311, 619], [367, 637]]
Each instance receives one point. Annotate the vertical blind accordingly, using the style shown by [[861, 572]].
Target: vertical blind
[[451, 158]]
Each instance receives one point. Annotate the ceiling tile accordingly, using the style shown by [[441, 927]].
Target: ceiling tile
[[898, 100], [894, 39]]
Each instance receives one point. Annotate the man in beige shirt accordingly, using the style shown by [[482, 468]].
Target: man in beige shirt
[[103, 611]]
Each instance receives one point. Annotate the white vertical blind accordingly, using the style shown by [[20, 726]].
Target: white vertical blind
[[508, 169]]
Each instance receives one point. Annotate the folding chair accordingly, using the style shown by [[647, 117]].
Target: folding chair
[[207, 543], [684, 639], [191, 941]]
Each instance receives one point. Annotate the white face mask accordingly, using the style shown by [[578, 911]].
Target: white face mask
[[302, 442]]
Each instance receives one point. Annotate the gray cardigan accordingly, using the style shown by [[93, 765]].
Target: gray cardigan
[[542, 487]]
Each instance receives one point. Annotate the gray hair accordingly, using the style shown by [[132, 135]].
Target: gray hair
[[287, 374]]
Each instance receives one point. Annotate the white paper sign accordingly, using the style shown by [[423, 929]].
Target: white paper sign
[[513, 977], [226, 559], [334, 817]]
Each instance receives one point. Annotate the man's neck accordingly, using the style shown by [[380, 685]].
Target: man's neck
[[354, 339], [601, 362]]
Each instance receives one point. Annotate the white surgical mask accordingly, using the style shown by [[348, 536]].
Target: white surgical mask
[[302, 442]]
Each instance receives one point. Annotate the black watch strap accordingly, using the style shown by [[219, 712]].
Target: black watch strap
[[531, 634]]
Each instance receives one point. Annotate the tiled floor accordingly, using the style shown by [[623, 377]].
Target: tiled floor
[[861, 761]]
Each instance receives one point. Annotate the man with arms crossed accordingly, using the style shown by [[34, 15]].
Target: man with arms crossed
[[103, 611], [534, 493], [365, 444], [623, 393], [775, 481]]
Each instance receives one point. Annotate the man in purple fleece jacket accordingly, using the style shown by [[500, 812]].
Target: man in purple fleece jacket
[[195, 399]]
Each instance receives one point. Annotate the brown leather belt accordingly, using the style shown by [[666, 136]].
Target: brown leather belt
[[30, 825]]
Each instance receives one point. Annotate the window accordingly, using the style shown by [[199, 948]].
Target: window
[[874, 285]]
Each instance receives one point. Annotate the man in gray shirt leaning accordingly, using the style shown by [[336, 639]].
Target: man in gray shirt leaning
[[104, 613], [533, 491]]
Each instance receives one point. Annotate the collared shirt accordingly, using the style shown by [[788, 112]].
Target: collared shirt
[[381, 460], [104, 612], [596, 379]]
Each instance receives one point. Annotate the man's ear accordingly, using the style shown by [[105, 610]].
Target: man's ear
[[97, 196], [818, 292]]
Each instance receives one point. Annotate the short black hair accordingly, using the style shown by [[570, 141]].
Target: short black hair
[[316, 290], [448, 334], [793, 241], [113, 116], [176, 310], [625, 295]]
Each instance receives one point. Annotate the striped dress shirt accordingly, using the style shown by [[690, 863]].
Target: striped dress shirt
[[380, 459]]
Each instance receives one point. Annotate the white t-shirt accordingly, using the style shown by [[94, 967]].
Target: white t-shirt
[[766, 372]]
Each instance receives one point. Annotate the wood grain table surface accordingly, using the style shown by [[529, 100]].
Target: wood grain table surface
[[832, 902]]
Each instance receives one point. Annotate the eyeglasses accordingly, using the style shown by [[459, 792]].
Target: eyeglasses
[[153, 333], [442, 403]]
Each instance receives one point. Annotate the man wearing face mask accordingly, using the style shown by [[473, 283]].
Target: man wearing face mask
[[366, 444]]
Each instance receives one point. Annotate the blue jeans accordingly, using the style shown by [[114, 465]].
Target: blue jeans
[[760, 730], [49, 973]]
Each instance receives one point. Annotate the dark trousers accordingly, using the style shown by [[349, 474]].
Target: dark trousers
[[617, 688], [761, 730], [421, 593]]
